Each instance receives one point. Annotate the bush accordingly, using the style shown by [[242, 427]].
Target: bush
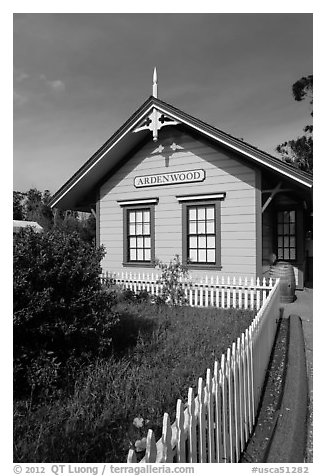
[[171, 279], [61, 311]]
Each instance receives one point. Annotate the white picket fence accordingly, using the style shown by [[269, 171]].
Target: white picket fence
[[214, 426], [220, 292]]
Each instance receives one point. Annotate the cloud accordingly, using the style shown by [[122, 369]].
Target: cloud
[[57, 85], [19, 99], [19, 75]]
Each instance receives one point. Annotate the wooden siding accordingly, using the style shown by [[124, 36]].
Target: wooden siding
[[224, 173], [267, 239]]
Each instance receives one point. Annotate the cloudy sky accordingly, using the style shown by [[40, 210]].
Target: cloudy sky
[[78, 78]]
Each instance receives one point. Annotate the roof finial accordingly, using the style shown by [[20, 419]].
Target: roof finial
[[155, 83]]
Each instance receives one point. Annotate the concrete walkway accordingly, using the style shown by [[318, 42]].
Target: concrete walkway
[[303, 307]]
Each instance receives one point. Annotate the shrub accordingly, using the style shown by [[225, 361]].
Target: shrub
[[60, 308], [171, 279]]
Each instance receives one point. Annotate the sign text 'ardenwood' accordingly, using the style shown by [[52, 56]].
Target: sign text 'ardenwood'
[[186, 176]]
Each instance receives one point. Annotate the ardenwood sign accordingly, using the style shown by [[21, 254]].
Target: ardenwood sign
[[170, 178]]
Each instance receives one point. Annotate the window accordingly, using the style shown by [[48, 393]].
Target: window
[[201, 233], [138, 232], [286, 235], [139, 235]]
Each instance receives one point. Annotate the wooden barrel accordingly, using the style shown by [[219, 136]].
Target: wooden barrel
[[285, 272]]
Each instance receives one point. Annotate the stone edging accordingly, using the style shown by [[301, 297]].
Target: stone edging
[[289, 438]]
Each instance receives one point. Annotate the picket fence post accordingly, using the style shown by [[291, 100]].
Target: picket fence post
[[192, 436]]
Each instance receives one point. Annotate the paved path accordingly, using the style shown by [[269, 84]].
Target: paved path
[[303, 307]]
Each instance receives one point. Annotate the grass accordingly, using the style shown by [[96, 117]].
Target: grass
[[158, 353]]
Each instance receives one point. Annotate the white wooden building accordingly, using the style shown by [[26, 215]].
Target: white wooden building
[[167, 183]]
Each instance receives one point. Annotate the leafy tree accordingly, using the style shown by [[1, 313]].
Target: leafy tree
[[33, 205], [38, 208], [18, 206], [69, 221], [299, 152], [61, 312]]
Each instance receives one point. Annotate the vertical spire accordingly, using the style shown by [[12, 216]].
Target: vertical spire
[[155, 83]]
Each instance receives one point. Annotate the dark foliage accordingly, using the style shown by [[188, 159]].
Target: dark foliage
[[33, 205], [299, 151], [61, 313], [303, 88]]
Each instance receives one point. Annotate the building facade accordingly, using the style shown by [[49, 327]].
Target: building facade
[[166, 183]]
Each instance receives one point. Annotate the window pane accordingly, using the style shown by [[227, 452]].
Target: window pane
[[280, 229], [139, 217], [211, 256], [140, 242], [286, 254], [192, 213], [280, 217], [146, 216], [292, 241], [280, 241], [132, 243], [280, 254], [192, 228], [210, 213], [139, 229], [132, 229], [211, 242], [286, 229], [292, 216], [202, 242], [210, 227], [292, 229], [193, 242], [201, 227], [201, 213], [133, 254], [146, 229], [202, 256], [132, 217], [286, 242], [147, 242], [193, 255], [140, 255], [147, 255], [286, 217], [292, 253]]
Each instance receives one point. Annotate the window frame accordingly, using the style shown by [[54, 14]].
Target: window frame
[[185, 233], [126, 251]]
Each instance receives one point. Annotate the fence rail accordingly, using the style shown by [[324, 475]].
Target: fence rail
[[215, 425], [220, 292]]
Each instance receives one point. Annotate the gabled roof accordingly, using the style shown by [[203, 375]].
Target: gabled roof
[[79, 192]]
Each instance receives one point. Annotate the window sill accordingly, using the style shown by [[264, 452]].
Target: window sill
[[213, 267], [139, 264]]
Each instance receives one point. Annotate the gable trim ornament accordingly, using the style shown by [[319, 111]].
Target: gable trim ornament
[[156, 119]]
